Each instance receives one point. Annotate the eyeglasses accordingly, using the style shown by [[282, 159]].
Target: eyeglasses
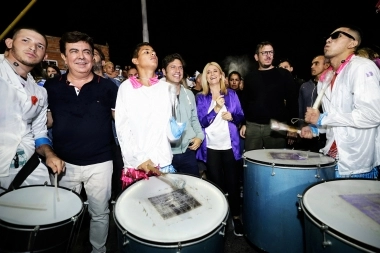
[[336, 34], [267, 53]]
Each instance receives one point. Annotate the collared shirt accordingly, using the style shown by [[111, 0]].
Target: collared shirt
[[82, 128]]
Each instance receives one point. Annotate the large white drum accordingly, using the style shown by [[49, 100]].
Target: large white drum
[[39, 219], [155, 216], [342, 215]]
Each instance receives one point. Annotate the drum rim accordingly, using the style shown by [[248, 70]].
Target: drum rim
[[332, 231], [283, 166], [21, 227], [174, 243]]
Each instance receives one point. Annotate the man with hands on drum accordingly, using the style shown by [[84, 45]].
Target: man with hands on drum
[[143, 119], [23, 111], [82, 106], [351, 105]]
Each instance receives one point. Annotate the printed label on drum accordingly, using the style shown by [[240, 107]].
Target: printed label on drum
[[369, 204], [287, 156], [174, 203]]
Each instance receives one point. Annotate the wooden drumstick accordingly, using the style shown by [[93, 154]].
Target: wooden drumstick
[[277, 126], [37, 206], [327, 81]]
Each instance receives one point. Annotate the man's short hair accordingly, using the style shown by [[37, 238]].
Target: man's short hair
[[17, 30], [262, 44], [101, 54], [170, 58], [285, 60], [135, 53], [74, 37]]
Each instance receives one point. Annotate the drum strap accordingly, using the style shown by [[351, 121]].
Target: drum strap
[[24, 172]]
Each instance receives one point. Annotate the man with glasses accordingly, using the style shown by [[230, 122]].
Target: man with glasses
[[351, 105], [269, 93]]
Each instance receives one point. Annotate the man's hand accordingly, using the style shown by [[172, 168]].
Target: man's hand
[[292, 136], [148, 166], [196, 143], [306, 133], [242, 131], [312, 115], [52, 160]]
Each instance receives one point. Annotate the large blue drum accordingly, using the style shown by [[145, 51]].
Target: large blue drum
[[342, 215], [272, 180], [162, 215]]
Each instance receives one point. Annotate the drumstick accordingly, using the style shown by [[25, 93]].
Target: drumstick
[[174, 183], [55, 185], [38, 206], [278, 126], [327, 81]]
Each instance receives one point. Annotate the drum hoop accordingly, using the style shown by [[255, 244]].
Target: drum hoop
[[331, 231], [171, 245], [21, 227], [284, 166]]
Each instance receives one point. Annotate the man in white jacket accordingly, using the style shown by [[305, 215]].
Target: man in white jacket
[[23, 110], [352, 107]]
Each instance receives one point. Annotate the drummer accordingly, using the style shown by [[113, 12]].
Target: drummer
[[351, 107], [143, 112], [23, 111]]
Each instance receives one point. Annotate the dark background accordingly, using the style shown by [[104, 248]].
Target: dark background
[[203, 31]]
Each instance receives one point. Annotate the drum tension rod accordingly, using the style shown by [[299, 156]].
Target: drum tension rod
[[33, 236], [126, 241], [179, 247], [325, 242], [299, 196], [273, 173], [317, 175]]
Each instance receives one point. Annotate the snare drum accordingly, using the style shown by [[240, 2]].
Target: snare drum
[[154, 216], [272, 180], [342, 215], [33, 220]]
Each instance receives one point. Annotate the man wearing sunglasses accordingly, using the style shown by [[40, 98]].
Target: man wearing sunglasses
[[351, 105]]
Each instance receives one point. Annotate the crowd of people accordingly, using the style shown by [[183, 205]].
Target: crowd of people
[[109, 128]]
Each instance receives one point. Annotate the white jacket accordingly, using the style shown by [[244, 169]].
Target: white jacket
[[353, 116], [21, 121], [142, 119]]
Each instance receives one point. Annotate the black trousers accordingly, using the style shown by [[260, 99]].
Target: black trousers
[[222, 170]]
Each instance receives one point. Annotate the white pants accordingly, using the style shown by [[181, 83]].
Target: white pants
[[39, 176], [96, 179]]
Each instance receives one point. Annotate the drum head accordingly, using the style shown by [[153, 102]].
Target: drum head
[[153, 210], [38, 205], [288, 158], [350, 207]]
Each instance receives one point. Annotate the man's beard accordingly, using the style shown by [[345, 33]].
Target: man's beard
[[97, 67], [19, 59]]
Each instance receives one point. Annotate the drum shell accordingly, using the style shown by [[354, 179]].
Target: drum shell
[[55, 237], [319, 237], [211, 242], [270, 205]]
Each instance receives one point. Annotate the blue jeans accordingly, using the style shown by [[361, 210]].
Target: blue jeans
[[186, 163], [374, 173]]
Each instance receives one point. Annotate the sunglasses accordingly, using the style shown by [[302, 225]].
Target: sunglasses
[[336, 34]]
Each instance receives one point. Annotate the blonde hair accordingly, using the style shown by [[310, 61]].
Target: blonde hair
[[205, 85]]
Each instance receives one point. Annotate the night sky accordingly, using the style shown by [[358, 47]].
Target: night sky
[[203, 31]]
